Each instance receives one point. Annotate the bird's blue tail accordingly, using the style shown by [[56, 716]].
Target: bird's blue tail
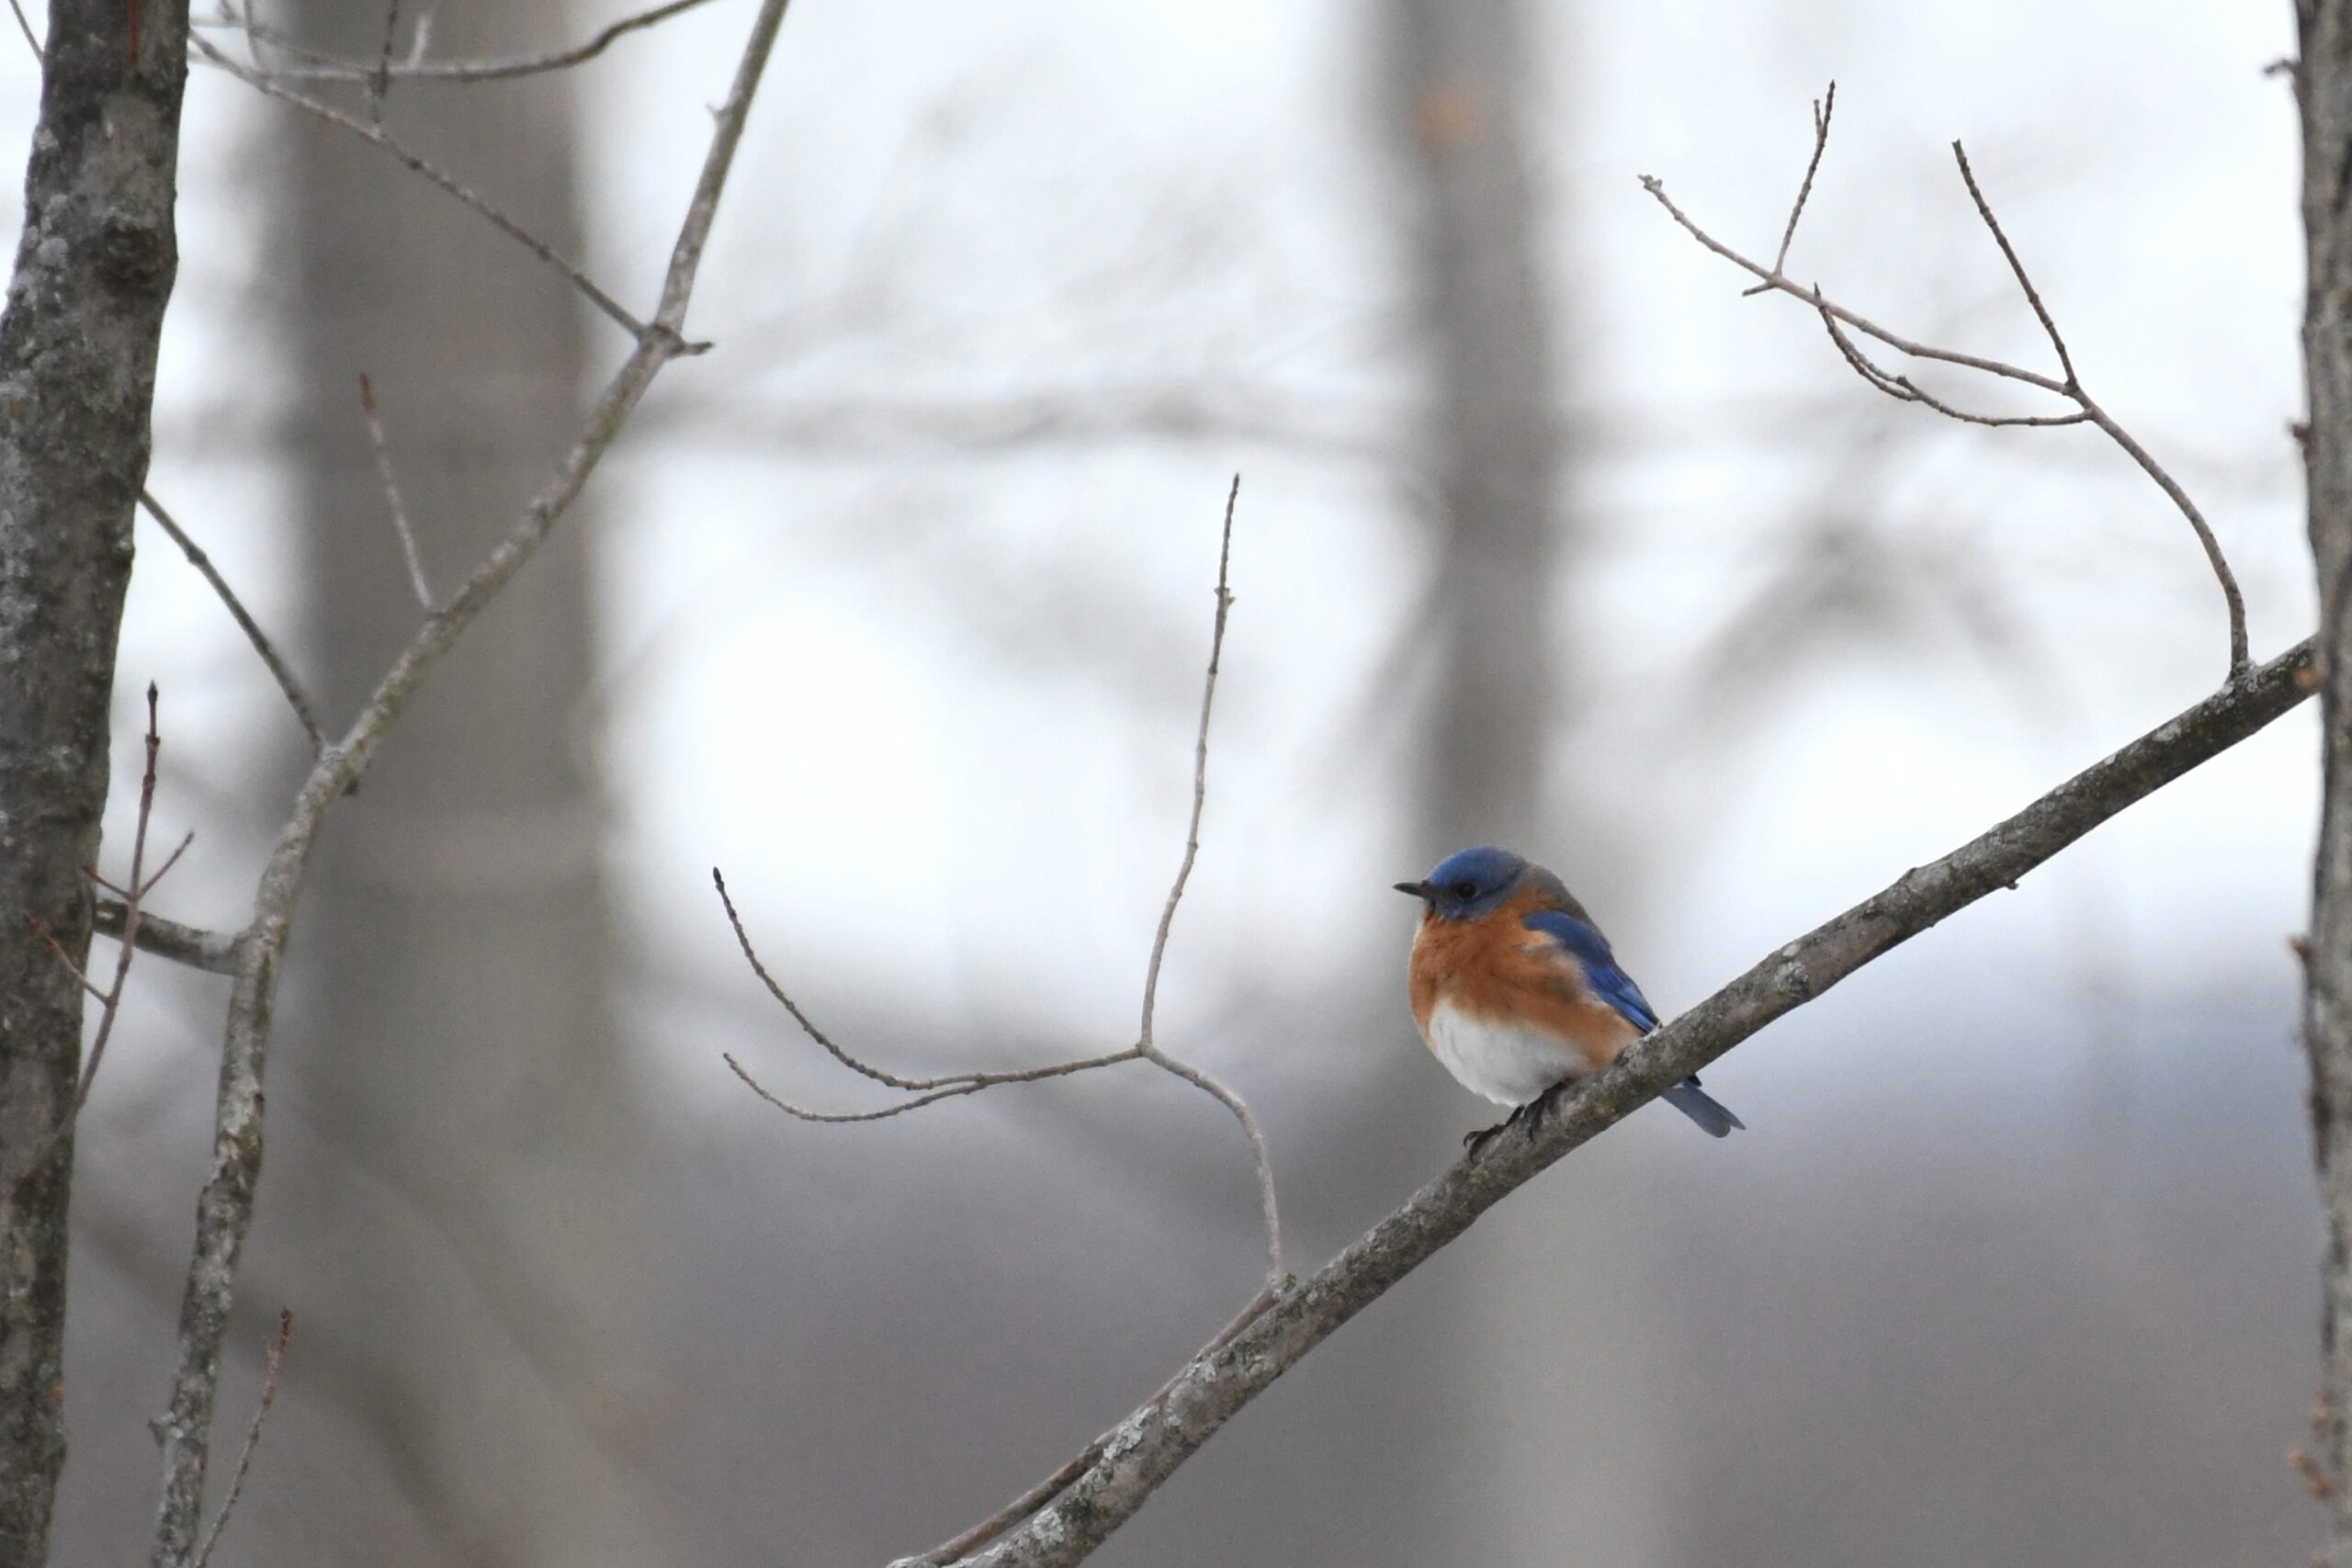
[[1702, 1108]]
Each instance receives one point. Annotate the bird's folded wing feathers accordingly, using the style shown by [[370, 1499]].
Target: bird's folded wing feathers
[[1584, 944]]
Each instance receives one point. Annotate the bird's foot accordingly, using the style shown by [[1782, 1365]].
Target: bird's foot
[[1542, 1105], [1530, 1115], [1476, 1143]]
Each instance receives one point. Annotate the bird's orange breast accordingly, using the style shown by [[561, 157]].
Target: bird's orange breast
[[1496, 969]]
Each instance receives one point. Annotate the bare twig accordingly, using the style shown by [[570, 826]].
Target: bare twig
[[224, 1208], [1153, 1442], [326, 68], [25, 27], [1276, 1275], [1904, 390], [191, 945], [109, 999], [377, 137], [1823, 107], [2017, 269], [954, 1086], [953, 1089], [2239, 657], [2067, 385], [135, 895], [385, 477], [932, 1090], [283, 673], [275, 1353]]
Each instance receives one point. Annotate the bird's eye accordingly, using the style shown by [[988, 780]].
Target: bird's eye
[[1465, 891]]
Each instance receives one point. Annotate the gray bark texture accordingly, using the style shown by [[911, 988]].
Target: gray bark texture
[[2323, 86], [93, 271]]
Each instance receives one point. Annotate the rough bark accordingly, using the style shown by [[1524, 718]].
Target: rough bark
[[93, 271], [2323, 84]]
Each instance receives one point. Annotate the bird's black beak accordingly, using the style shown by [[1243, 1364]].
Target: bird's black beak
[[1420, 890]]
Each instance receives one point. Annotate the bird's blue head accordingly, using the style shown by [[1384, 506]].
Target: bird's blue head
[[1468, 884]]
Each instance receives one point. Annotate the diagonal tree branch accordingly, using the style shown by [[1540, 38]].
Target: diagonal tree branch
[[224, 1208], [1150, 1446]]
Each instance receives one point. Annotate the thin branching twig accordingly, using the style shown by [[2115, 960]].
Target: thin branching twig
[[959, 1083], [1269, 1213], [2067, 384], [928, 1092]]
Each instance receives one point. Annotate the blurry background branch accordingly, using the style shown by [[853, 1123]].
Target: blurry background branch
[[310, 65]]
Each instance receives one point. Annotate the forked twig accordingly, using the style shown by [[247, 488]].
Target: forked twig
[[954, 1086], [2067, 385], [1269, 1213], [1902, 389], [931, 1089], [951, 1088], [1823, 107]]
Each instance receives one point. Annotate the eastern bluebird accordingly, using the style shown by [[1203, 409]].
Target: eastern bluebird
[[1516, 991]]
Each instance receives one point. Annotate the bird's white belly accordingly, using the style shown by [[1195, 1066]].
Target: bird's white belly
[[1508, 1062]]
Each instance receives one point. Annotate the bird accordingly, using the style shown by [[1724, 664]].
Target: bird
[[1516, 992]]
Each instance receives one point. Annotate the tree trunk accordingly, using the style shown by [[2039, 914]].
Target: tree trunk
[[463, 1203], [1461, 77], [93, 271], [2324, 85]]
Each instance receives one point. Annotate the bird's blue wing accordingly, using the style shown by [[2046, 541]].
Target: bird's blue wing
[[1588, 947]]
